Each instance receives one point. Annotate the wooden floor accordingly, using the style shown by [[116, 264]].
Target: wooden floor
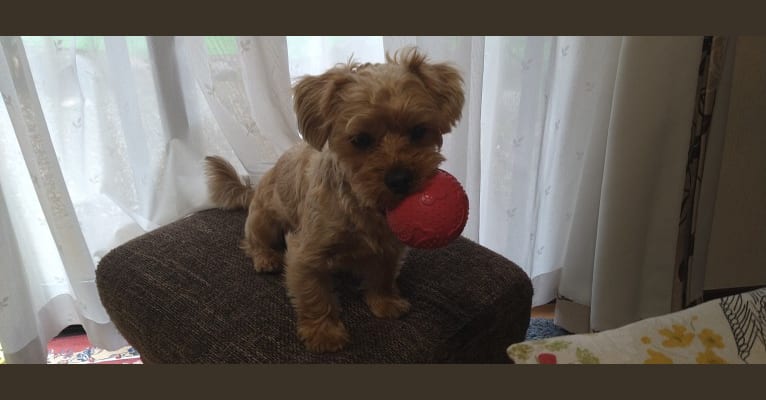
[[544, 311]]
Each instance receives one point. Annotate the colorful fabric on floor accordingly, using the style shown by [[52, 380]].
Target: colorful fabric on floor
[[76, 349]]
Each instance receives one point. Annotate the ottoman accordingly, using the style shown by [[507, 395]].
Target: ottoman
[[186, 293]]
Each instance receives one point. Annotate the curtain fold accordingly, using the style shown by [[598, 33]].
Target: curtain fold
[[60, 262], [267, 76], [572, 150], [643, 179], [544, 134], [689, 279]]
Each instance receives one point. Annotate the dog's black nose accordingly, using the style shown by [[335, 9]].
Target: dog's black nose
[[399, 180]]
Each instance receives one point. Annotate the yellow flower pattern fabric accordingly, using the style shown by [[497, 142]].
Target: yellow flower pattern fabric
[[709, 357], [656, 357], [711, 339], [705, 334], [681, 336], [677, 337]]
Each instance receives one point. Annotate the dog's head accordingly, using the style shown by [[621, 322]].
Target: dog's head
[[383, 122]]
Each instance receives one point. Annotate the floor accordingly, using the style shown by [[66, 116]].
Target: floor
[[545, 311]]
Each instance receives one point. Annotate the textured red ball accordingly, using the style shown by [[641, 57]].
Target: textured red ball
[[432, 217]]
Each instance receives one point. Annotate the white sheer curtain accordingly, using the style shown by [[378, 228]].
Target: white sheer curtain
[[101, 140], [583, 153], [571, 150]]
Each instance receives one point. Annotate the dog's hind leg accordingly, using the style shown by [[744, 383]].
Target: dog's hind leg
[[264, 240]]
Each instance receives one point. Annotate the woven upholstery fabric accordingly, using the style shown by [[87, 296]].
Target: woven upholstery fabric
[[186, 293]]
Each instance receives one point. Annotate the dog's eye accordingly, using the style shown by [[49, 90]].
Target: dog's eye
[[417, 133], [362, 141]]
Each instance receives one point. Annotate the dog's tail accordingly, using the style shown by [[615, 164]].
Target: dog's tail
[[227, 190]]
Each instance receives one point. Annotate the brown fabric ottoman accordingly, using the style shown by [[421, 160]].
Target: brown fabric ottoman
[[185, 293]]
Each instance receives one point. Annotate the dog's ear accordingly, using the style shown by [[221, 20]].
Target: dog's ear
[[314, 100], [443, 80]]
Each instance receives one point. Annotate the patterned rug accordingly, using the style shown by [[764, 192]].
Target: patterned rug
[[76, 349], [543, 328]]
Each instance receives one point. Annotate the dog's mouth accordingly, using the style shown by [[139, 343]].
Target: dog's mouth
[[395, 185], [388, 200], [395, 201], [392, 198]]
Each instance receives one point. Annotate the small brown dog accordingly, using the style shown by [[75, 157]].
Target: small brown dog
[[374, 135]]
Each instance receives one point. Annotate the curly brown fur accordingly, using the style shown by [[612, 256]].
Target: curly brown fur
[[224, 185], [373, 135]]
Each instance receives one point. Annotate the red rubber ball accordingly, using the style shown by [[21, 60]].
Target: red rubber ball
[[432, 217]]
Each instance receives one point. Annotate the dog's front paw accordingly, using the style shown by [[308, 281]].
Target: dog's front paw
[[387, 306], [321, 336]]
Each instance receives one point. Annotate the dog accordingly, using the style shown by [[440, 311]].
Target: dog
[[372, 135]]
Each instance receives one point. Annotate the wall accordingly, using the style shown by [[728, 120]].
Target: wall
[[736, 251]]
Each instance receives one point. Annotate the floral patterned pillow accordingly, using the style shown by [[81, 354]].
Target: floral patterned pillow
[[731, 330]]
